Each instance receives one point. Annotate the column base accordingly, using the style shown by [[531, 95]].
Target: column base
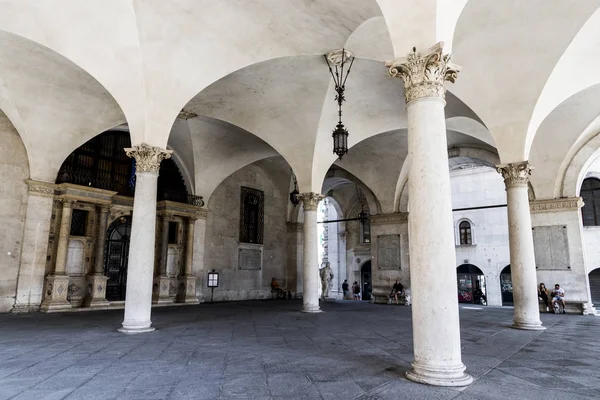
[[311, 310], [161, 290], [589, 309], [439, 376], [96, 292], [528, 326], [56, 289], [133, 331], [186, 291], [25, 308]]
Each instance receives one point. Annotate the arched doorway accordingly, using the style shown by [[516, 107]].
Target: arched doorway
[[471, 284], [506, 287], [595, 286], [365, 281], [116, 258]]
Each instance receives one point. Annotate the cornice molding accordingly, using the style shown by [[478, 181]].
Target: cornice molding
[[555, 205], [40, 189], [389, 219]]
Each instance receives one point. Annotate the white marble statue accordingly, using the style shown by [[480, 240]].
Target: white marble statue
[[326, 274]]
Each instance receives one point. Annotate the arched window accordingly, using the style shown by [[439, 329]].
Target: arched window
[[465, 233], [590, 192]]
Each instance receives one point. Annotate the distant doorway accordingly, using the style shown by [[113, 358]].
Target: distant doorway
[[595, 286], [116, 258], [471, 285], [365, 280], [506, 287]]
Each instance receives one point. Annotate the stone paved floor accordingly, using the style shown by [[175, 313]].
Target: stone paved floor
[[269, 350]]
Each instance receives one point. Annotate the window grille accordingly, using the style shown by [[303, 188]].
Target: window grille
[[78, 222], [251, 215]]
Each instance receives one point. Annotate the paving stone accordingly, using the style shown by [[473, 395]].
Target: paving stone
[[269, 350]]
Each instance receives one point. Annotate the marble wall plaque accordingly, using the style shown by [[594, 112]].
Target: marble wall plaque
[[388, 251], [551, 247], [250, 259]]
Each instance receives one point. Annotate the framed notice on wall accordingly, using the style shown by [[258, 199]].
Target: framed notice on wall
[[388, 251], [551, 247]]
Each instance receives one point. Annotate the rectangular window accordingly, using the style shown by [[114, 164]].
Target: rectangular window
[[251, 215], [78, 222], [173, 226]]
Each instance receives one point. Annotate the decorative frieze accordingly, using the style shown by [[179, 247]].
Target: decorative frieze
[[39, 188], [148, 158], [202, 213], [424, 73], [310, 200], [389, 219], [555, 205], [515, 174]]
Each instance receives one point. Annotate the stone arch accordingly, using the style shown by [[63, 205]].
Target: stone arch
[[14, 170], [568, 183]]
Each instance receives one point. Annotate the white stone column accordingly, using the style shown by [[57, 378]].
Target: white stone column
[[310, 295], [436, 330], [520, 240], [140, 271], [34, 249], [57, 284], [96, 282], [187, 283], [162, 282]]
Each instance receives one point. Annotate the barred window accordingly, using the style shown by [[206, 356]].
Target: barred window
[[465, 233], [251, 215], [590, 192], [78, 222]]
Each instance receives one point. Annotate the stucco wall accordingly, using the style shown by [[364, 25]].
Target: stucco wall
[[478, 187], [14, 169], [222, 233]]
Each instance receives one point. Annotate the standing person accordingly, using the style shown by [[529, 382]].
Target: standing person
[[356, 290], [558, 295], [345, 288], [543, 294]]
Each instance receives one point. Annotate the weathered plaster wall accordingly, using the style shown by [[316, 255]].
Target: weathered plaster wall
[[14, 169], [222, 232]]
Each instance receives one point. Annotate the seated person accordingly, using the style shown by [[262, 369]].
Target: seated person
[[558, 295], [479, 297], [397, 290], [275, 288]]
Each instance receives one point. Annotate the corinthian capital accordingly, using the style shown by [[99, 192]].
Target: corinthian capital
[[310, 200], [515, 174], [147, 158], [424, 73]]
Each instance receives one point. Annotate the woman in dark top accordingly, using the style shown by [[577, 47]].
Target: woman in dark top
[[543, 294]]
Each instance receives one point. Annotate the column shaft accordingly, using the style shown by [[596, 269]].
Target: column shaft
[[522, 257], [164, 246], [101, 240], [189, 247], [436, 330], [140, 271], [310, 295], [63, 238]]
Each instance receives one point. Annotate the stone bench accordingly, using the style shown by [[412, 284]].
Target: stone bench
[[573, 306]]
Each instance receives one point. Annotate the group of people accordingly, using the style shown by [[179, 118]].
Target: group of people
[[557, 295], [355, 290]]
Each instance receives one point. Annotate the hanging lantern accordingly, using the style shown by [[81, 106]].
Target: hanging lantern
[[294, 199], [340, 60]]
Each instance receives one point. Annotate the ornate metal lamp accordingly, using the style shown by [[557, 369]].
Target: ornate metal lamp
[[340, 59], [294, 193]]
